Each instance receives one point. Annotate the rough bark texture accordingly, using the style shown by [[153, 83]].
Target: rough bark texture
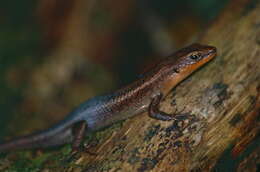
[[221, 103]]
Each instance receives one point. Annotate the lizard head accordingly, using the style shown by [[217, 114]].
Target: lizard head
[[193, 56], [185, 61]]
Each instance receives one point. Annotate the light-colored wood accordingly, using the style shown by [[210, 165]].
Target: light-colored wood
[[221, 102]]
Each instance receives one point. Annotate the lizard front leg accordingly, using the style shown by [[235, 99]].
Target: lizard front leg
[[154, 112]]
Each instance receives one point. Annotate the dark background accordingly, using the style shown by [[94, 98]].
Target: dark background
[[55, 54]]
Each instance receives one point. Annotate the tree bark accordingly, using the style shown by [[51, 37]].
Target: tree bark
[[221, 102]]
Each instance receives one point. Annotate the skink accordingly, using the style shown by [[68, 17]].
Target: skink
[[144, 94]]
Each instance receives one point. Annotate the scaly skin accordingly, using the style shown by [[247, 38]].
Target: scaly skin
[[142, 95]]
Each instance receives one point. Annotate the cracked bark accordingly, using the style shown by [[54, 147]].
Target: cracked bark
[[221, 103]]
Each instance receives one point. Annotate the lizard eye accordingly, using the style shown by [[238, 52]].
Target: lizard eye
[[195, 56]]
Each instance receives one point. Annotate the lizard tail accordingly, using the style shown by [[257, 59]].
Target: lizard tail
[[54, 136]]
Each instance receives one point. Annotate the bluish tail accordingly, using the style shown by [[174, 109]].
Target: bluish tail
[[55, 136]]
